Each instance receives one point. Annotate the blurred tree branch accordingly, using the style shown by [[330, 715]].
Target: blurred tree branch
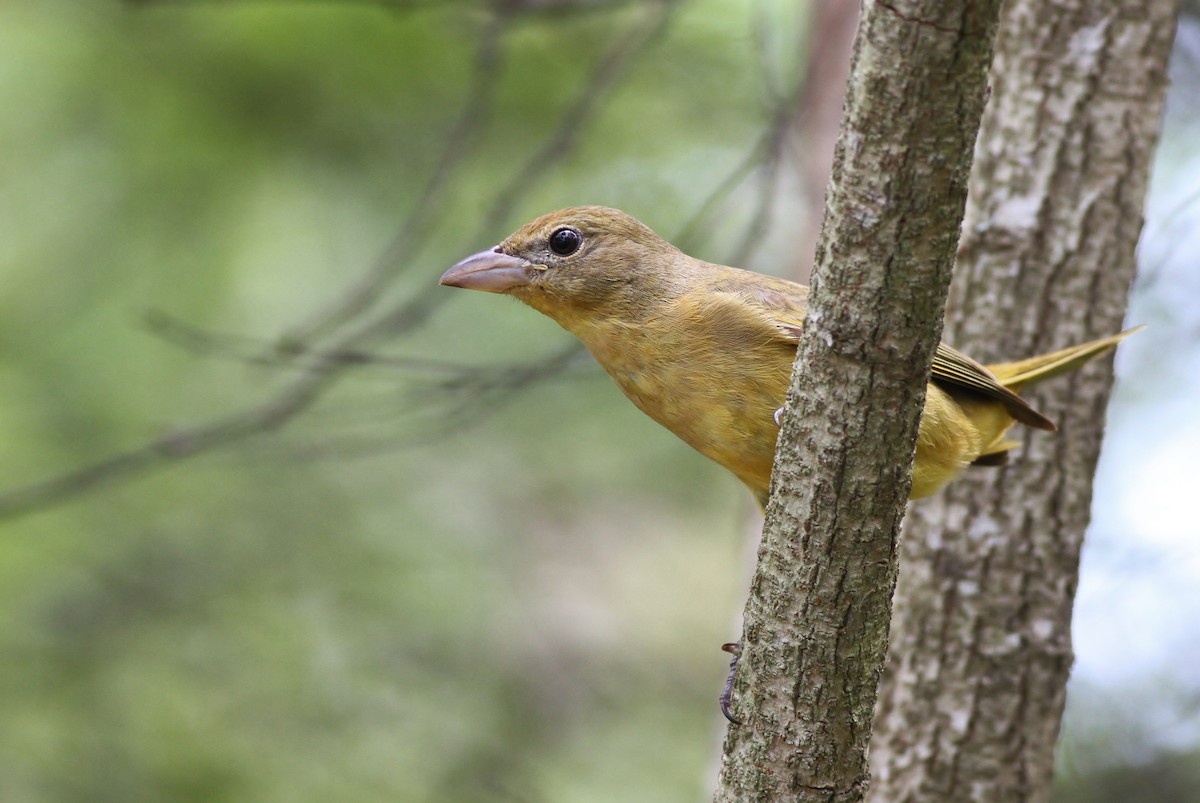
[[321, 349], [531, 6], [474, 114], [476, 110], [345, 335]]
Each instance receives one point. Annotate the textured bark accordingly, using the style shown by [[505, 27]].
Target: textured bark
[[817, 619], [971, 700]]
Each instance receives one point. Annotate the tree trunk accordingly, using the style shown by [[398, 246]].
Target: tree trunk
[[971, 699], [817, 619]]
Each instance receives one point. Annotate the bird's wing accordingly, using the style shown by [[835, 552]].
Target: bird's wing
[[784, 303], [954, 369], [777, 302]]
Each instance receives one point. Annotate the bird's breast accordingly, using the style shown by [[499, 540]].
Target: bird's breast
[[720, 397]]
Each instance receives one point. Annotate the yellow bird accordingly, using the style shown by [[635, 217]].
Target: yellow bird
[[707, 350]]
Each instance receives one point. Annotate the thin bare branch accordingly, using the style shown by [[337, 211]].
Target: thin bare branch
[[457, 405], [322, 365], [612, 67], [770, 170], [690, 236], [250, 350], [526, 6], [409, 240], [169, 448]]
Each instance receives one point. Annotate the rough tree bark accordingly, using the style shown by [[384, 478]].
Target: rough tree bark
[[980, 642], [817, 619]]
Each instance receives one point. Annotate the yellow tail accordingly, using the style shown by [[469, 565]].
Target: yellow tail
[[1014, 375]]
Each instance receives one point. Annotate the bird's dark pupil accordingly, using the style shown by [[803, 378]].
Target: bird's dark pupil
[[565, 241]]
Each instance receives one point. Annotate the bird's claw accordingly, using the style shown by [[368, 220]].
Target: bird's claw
[[779, 417], [734, 648]]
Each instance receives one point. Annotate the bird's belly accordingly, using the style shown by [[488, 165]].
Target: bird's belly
[[730, 418], [722, 403]]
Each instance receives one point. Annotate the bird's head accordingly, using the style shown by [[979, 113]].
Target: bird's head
[[573, 262]]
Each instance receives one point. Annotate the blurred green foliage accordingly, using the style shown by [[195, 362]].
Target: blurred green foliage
[[528, 607]]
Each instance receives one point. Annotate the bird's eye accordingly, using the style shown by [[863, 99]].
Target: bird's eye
[[565, 241]]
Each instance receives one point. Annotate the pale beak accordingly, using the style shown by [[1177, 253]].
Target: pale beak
[[491, 271]]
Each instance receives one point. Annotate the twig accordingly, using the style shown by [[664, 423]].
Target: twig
[[250, 350], [408, 241], [322, 365], [474, 399], [612, 66]]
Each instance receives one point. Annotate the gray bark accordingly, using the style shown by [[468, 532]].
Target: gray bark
[[980, 641], [817, 619]]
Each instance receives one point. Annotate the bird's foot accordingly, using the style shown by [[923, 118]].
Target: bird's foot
[[734, 648]]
